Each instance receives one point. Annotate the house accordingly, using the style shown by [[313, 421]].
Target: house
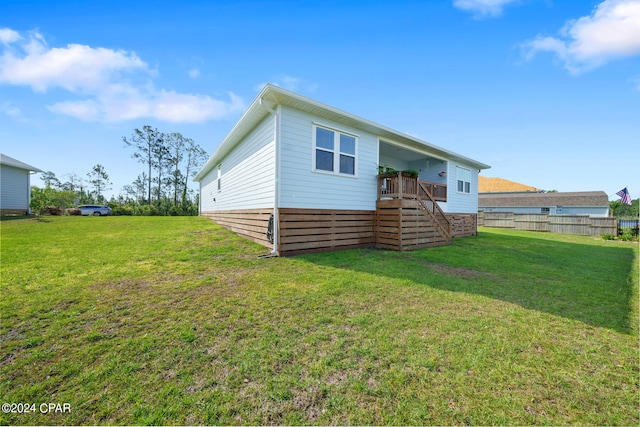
[[15, 186], [501, 185], [300, 176], [592, 203]]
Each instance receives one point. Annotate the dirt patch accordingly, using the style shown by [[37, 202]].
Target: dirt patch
[[454, 271]]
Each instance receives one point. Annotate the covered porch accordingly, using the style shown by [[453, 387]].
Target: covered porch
[[419, 167], [412, 186], [399, 186]]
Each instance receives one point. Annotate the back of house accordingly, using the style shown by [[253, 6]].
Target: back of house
[[300, 176]]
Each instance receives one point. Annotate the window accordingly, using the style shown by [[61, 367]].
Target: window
[[219, 178], [464, 180], [544, 210], [334, 151]]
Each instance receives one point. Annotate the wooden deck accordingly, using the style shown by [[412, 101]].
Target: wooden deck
[[407, 217], [407, 187], [407, 214]]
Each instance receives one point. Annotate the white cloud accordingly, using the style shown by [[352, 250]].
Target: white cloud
[[482, 8], [9, 109], [611, 31], [194, 73], [115, 84], [8, 36], [168, 106]]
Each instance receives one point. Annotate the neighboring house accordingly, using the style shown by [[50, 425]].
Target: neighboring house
[[593, 203], [501, 185], [15, 186], [300, 176]]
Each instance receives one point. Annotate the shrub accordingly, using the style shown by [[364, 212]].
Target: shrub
[[607, 237], [411, 172], [53, 210], [122, 210], [148, 210], [74, 211], [384, 169], [627, 234]]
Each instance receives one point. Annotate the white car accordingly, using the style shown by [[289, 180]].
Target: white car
[[94, 210]]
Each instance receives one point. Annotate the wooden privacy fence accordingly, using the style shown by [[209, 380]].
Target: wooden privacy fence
[[582, 225]]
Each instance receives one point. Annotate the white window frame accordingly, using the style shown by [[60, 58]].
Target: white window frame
[[219, 180], [337, 152], [466, 186]]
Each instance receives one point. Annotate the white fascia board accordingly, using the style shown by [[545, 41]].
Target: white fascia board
[[249, 119]]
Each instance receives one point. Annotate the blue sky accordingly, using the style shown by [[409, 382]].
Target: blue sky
[[547, 92]]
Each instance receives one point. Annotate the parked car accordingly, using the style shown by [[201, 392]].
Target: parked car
[[94, 210]]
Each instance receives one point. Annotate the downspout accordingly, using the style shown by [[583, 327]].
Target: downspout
[[200, 198], [276, 201]]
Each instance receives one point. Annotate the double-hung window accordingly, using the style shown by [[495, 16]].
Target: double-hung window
[[334, 151], [464, 180]]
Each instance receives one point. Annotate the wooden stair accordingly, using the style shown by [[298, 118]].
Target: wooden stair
[[411, 223]]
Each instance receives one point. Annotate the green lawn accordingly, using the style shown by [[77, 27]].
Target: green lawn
[[174, 320]]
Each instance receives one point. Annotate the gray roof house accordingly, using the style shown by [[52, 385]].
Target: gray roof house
[[15, 185], [593, 203]]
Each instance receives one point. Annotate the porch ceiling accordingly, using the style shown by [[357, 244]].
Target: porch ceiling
[[400, 153]]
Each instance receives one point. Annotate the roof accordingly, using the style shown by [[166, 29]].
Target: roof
[[272, 95], [580, 198], [501, 185], [10, 161]]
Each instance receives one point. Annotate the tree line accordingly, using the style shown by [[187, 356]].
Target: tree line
[[622, 210], [171, 160]]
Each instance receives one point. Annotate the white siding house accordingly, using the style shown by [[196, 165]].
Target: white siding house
[[245, 178], [309, 173], [15, 185]]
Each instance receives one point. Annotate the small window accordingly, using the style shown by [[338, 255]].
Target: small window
[[334, 151], [219, 178], [544, 210], [464, 180]]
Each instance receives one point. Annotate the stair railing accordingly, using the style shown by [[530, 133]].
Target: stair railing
[[434, 210]]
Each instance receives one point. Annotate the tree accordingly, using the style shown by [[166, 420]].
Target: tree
[[161, 161], [50, 180], [195, 156], [73, 183], [147, 142], [141, 184], [614, 207], [177, 144], [100, 180]]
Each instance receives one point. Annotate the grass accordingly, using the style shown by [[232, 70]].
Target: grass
[[160, 320]]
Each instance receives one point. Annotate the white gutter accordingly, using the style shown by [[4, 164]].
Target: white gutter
[[276, 201]]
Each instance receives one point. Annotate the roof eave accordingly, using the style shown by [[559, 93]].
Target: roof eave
[[250, 117], [256, 112]]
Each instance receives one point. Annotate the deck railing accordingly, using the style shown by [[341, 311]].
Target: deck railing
[[407, 187]]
